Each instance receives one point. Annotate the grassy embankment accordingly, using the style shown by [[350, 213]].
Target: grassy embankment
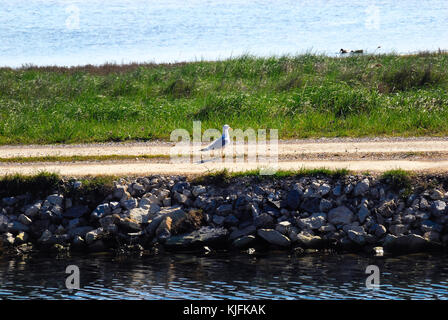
[[46, 182], [302, 96]]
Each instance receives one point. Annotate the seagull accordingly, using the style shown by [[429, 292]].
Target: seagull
[[220, 143]]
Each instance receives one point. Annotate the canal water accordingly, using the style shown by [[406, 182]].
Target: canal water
[[275, 275], [72, 32]]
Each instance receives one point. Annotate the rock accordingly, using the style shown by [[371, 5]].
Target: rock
[[9, 201], [45, 237], [205, 236], [379, 230], [231, 221], [311, 205], [293, 199], [198, 190], [340, 215], [436, 194], [55, 199], [324, 189], [219, 220], [378, 251], [283, 227], [224, 209], [357, 235], [24, 220], [93, 235], [180, 186], [438, 208], [433, 236], [79, 231], [154, 208], [363, 213], [244, 242], [129, 203], [337, 190], [22, 237], [274, 237], [167, 202], [362, 187], [139, 215], [130, 225], [387, 208], [101, 211], [75, 212], [325, 205], [163, 231], [16, 227], [73, 223], [242, 232], [408, 243], [4, 221], [154, 224], [180, 197], [308, 240], [33, 210], [398, 229], [264, 220], [315, 221], [119, 192], [428, 225]]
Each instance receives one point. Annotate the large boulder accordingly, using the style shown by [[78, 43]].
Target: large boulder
[[408, 243], [340, 215], [293, 199], [274, 237], [205, 236]]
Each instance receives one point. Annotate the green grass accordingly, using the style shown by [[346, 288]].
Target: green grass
[[34, 184], [398, 179], [225, 176], [302, 96]]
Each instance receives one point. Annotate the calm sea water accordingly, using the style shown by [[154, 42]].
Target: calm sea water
[[223, 276], [66, 32]]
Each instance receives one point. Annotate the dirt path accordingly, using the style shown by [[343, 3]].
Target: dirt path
[[294, 147], [423, 154]]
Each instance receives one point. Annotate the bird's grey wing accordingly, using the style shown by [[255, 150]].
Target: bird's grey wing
[[217, 144]]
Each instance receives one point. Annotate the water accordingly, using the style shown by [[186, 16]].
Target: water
[[224, 276], [65, 32]]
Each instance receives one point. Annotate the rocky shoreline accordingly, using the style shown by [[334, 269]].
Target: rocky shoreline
[[350, 213]]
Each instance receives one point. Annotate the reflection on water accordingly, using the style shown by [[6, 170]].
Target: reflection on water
[[225, 276]]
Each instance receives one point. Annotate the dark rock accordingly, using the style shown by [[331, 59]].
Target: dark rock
[[205, 236], [311, 205], [274, 237], [340, 215], [408, 243], [243, 232], [244, 242], [293, 199], [264, 220], [76, 212]]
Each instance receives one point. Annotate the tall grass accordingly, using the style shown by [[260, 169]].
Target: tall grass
[[302, 96]]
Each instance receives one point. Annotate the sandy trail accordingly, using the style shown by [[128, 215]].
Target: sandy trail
[[326, 150], [284, 147], [138, 168]]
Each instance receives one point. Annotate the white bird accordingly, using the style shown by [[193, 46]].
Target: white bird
[[221, 142]]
